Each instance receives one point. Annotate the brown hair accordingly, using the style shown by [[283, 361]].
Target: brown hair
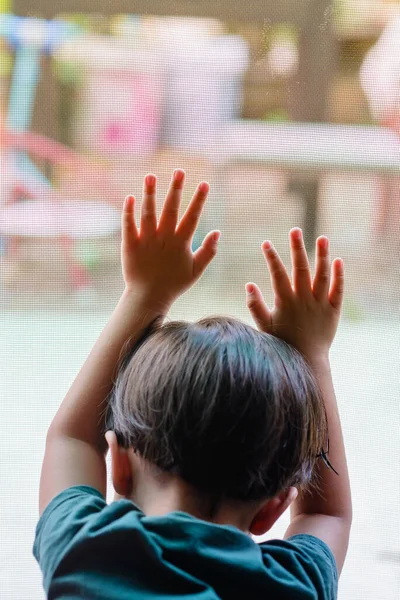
[[235, 412]]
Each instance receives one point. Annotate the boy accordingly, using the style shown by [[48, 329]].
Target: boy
[[180, 529]]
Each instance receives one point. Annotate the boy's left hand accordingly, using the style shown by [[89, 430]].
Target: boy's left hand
[[157, 259]]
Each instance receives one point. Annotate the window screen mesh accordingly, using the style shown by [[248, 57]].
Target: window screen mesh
[[292, 114]]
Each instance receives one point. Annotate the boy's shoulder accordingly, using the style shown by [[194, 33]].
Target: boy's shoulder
[[305, 545], [308, 564], [178, 549], [67, 521]]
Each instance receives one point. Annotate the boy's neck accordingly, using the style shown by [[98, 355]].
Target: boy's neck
[[160, 496]]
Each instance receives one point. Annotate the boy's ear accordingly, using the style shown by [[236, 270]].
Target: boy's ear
[[121, 469], [271, 511]]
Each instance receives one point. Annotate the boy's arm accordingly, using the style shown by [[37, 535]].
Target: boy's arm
[[80, 413], [335, 495], [75, 444], [327, 515]]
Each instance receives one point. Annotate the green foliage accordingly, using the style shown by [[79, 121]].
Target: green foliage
[[67, 72], [352, 310], [6, 62], [5, 6], [277, 116], [88, 254], [285, 32]]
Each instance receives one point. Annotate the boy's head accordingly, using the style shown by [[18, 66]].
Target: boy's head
[[229, 414]]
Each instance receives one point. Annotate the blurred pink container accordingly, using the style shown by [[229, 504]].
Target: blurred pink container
[[120, 107]]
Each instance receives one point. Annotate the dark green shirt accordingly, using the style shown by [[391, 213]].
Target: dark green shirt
[[88, 549]]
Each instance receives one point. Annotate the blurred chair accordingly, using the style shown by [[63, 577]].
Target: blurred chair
[[31, 208]]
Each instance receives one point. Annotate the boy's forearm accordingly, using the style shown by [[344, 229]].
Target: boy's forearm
[[81, 413], [335, 495]]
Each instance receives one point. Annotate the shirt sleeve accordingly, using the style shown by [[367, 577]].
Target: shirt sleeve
[[304, 562], [60, 522]]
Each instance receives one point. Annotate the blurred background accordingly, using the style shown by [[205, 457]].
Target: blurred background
[[291, 111]]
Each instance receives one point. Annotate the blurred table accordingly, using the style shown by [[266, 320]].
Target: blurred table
[[309, 147]]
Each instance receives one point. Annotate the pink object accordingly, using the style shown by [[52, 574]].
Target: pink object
[[380, 73], [46, 211], [42, 147], [124, 115], [79, 276], [380, 80]]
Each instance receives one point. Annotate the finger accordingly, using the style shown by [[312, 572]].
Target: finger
[[336, 291], [204, 255], [258, 309], [301, 275], [128, 226], [322, 269], [170, 211], [148, 216], [279, 278], [190, 220]]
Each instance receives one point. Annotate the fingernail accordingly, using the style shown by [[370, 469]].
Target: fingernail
[[249, 289], [150, 180], [203, 187], [297, 233], [217, 235], [267, 245], [179, 174]]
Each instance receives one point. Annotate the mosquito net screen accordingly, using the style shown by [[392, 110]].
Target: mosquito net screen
[[289, 114]]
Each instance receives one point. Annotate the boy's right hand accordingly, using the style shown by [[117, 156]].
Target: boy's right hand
[[305, 314]]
